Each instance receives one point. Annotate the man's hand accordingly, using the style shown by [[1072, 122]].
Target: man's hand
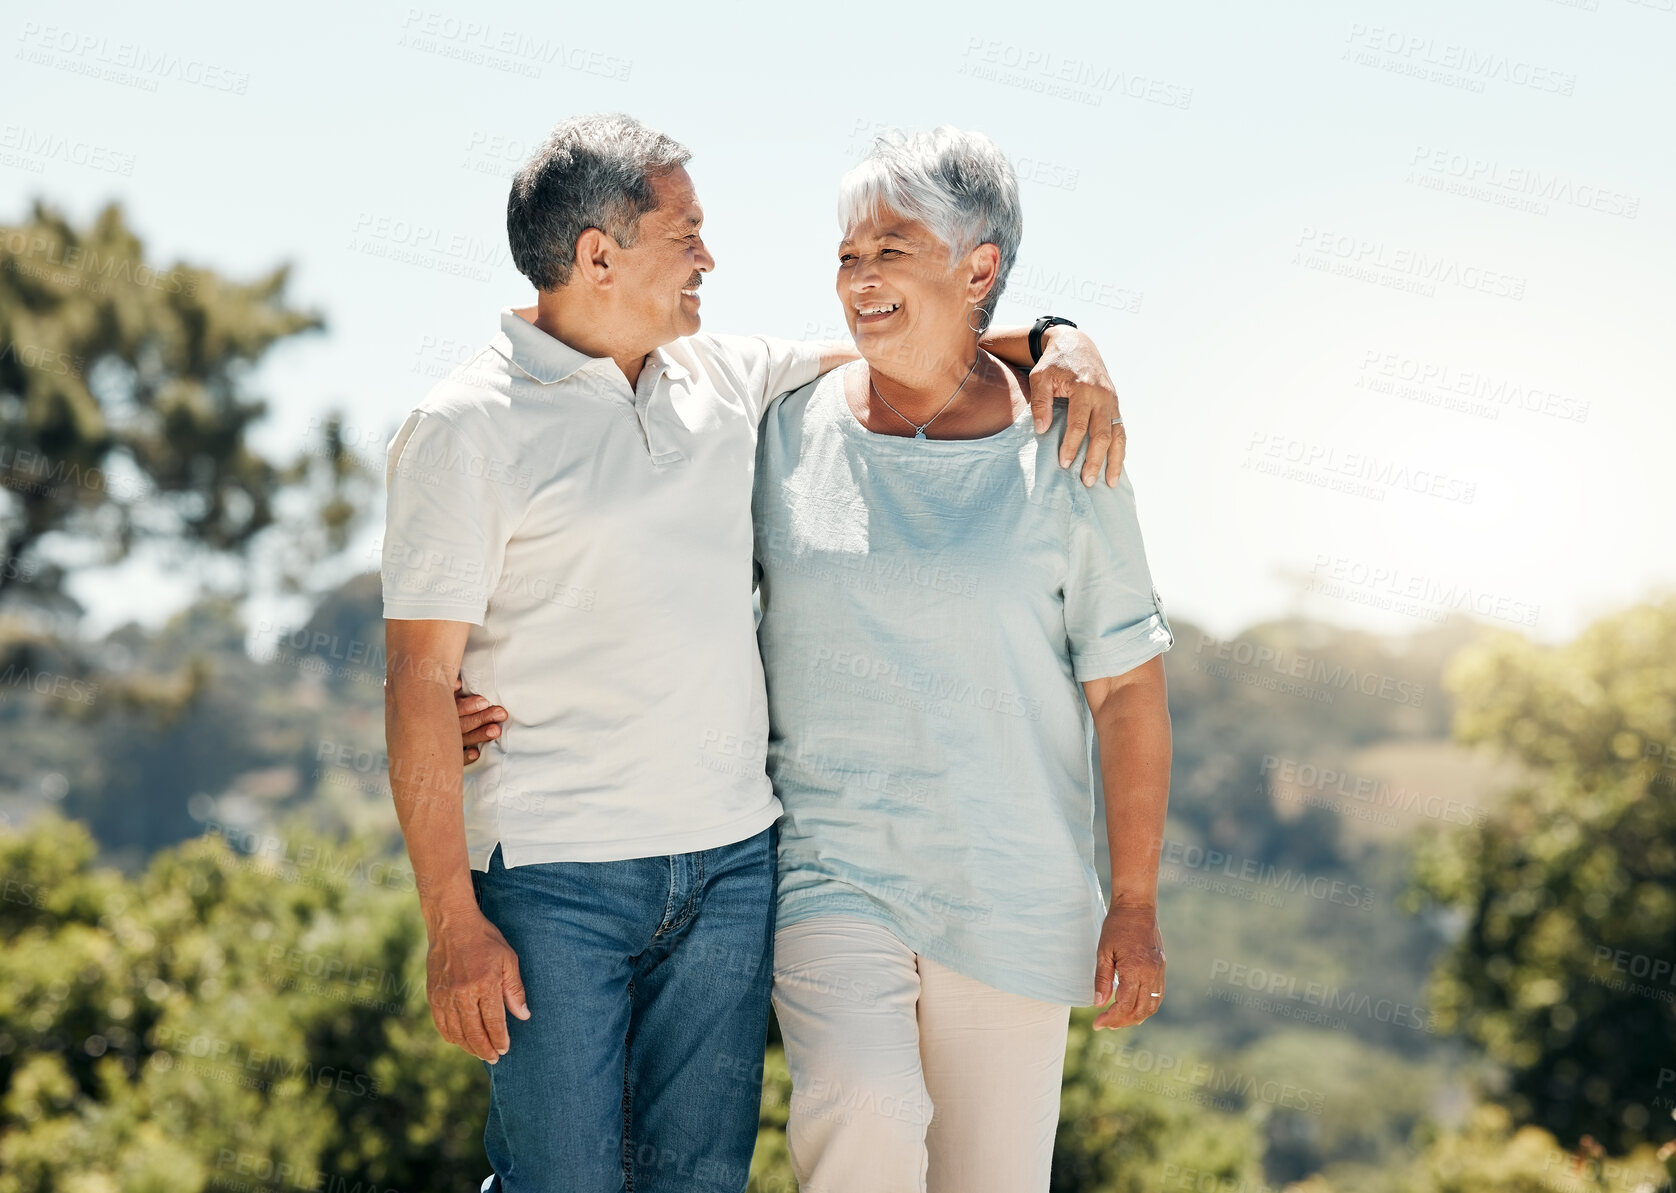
[[471, 979], [1071, 368], [479, 721], [1132, 948]]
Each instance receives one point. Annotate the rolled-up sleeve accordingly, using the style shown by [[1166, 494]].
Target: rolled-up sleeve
[[446, 524], [1114, 619]]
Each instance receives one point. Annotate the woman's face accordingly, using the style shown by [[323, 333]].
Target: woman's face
[[900, 290]]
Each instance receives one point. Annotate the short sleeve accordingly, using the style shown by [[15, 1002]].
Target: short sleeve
[[446, 524], [1113, 617], [763, 366]]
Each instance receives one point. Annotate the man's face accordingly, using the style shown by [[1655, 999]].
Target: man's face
[[659, 277]]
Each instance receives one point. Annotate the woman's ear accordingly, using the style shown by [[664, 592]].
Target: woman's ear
[[984, 266]]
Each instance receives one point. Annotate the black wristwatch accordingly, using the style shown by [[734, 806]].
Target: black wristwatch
[[1037, 328]]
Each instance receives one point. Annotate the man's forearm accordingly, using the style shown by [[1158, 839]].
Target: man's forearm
[[426, 779], [1134, 732], [1011, 344], [836, 353]]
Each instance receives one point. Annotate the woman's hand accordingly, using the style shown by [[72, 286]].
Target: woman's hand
[[1071, 368], [1132, 949], [479, 720]]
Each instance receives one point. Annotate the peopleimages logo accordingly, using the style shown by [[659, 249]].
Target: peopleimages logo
[[1304, 782], [886, 675], [1312, 670], [337, 865], [1522, 186], [1362, 474], [31, 148], [37, 253], [126, 62], [265, 1068], [1417, 52], [501, 48], [1032, 69], [1213, 1079], [1657, 974], [1266, 874], [1494, 393], [1335, 574], [1401, 266], [1279, 992]]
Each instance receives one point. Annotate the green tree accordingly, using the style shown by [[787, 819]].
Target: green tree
[[125, 410], [224, 1018], [1488, 1153], [1563, 971], [125, 419], [1124, 1130]]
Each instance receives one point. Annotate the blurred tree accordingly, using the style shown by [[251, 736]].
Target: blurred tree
[[180, 725], [1126, 1129], [124, 411], [223, 1018], [125, 419], [233, 1020], [1298, 690], [1563, 972], [1488, 1153]]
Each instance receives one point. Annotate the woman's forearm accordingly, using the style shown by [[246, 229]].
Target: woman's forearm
[[1132, 723]]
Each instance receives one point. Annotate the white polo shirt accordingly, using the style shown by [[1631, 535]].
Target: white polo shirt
[[598, 539]]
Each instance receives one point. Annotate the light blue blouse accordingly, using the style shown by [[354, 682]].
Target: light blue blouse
[[929, 608]]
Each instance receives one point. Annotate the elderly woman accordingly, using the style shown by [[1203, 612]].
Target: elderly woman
[[934, 591]]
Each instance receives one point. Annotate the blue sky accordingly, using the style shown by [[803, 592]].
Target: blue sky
[[1386, 288]]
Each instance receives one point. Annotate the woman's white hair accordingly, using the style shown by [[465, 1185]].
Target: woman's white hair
[[958, 184]]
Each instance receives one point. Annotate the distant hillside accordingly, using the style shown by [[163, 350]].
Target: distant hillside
[[1267, 727]]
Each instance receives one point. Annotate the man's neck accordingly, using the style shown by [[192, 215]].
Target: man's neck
[[555, 316]]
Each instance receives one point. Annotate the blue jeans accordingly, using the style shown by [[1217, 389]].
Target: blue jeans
[[640, 1066]]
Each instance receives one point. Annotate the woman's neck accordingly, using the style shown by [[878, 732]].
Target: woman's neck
[[914, 380], [891, 404]]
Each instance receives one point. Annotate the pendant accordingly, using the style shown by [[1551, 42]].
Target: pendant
[[919, 432]]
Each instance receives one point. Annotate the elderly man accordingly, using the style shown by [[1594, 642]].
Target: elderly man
[[569, 532]]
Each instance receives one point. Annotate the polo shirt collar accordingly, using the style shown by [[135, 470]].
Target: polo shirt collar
[[550, 360], [537, 354], [660, 359]]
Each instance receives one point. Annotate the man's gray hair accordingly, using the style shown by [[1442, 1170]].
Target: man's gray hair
[[958, 184], [593, 171]]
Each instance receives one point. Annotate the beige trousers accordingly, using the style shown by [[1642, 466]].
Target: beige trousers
[[908, 1077]]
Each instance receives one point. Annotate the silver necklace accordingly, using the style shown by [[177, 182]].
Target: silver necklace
[[919, 428]]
